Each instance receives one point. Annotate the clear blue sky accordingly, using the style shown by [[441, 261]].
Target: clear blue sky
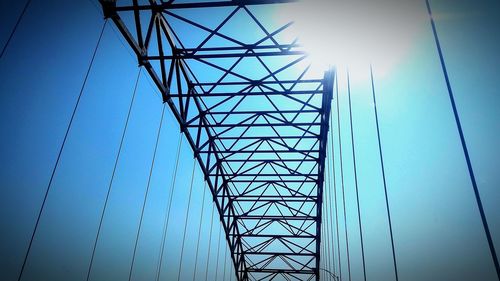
[[437, 230]]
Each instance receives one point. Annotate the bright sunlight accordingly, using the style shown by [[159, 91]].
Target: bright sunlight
[[356, 33]]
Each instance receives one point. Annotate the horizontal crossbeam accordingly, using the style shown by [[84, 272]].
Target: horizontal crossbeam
[[255, 114]]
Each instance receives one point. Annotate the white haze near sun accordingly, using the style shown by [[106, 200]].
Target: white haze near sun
[[353, 33]]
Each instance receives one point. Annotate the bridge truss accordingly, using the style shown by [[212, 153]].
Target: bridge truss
[[255, 115]]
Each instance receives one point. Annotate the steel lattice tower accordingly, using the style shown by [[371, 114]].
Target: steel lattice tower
[[255, 115]]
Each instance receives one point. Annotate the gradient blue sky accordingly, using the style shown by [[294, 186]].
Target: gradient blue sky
[[437, 230]]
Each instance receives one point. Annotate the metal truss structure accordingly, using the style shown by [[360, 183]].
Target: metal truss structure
[[255, 114]]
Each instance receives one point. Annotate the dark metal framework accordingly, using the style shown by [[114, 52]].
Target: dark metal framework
[[256, 117]]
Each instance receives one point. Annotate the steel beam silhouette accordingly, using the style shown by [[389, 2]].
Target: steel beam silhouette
[[255, 115]]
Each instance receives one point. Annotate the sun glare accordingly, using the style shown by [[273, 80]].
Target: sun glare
[[353, 34]]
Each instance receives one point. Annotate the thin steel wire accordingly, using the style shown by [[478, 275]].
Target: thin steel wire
[[335, 188], [15, 28], [146, 193], [343, 188], [110, 185], [209, 242], [56, 165], [477, 195], [356, 177], [167, 211], [218, 253], [186, 221], [383, 177], [199, 232]]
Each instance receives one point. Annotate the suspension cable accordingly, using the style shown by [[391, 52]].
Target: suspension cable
[[323, 247], [330, 252], [329, 244], [331, 166], [218, 252], [199, 232], [231, 268], [335, 187], [225, 262], [158, 134], [209, 242], [15, 28], [324, 240], [322, 250], [343, 189], [117, 158], [332, 275], [383, 175], [167, 211], [356, 177], [68, 128], [479, 202], [324, 236], [186, 220]]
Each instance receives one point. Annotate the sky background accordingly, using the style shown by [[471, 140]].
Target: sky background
[[437, 230]]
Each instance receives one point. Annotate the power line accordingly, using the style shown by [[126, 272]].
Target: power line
[[49, 185], [383, 176], [479, 203]]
